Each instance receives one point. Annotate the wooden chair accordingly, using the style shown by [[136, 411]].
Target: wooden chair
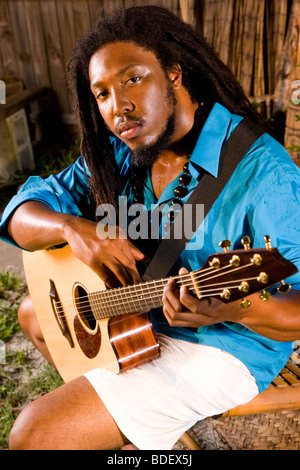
[[282, 394]]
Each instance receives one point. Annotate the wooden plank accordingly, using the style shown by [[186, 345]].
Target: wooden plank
[[248, 44], [279, 382], [111, 5], [68, 36], [37, 42], [294, 368], [258, 72], [7, 45], [272, 399], [67, 28], [94, 7], [218, 22], [56, 64], [24, 53], [234, 58], [21, 100], [276, 24], [81, 17], [291, 379]]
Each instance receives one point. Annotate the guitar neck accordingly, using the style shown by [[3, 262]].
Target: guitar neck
[[227, 276], [136, 298]]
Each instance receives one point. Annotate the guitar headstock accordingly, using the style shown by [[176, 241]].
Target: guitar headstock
[[233, 275]]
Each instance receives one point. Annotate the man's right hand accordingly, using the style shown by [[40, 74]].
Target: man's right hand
[[113, 259], [34, 226]]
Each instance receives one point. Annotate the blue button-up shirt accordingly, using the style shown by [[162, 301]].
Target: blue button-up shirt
[[261, 197]]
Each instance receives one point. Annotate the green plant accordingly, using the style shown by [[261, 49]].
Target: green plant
[[17, 388], [9, 281], [20, 383]]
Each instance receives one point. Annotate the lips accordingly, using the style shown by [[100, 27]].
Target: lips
[[129, 129]]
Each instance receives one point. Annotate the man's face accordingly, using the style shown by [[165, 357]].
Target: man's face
[[134, 97]]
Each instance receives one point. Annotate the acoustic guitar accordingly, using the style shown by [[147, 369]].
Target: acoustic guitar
[[86, 326]]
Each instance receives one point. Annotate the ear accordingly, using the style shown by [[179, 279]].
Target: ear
[[175, 75]]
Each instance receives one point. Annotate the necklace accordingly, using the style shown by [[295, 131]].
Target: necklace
[[179, 192]]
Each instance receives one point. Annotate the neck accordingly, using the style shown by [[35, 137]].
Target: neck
[[169, 163], [185, 138]]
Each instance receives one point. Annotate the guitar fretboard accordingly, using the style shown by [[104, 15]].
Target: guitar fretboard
[[135, 298]]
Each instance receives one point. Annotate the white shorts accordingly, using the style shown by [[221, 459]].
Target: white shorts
[[154, 404]]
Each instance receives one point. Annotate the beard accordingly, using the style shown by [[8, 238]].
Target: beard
[[146, 155]]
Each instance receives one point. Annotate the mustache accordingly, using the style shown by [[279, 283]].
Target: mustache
[[127, 121]]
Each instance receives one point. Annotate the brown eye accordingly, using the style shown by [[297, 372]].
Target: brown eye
[[133, 80], [101, 95]]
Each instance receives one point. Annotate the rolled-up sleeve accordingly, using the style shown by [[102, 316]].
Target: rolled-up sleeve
[[66, 192]]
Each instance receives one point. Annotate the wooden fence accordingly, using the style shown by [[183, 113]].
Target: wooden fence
[[37, 36]]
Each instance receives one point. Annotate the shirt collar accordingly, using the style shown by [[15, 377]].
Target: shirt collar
[[206, 153]]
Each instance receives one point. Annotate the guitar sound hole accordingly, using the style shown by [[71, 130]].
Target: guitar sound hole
[[84, 308]]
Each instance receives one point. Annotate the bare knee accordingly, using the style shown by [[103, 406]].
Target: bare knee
[[25, 433], [26, 315]]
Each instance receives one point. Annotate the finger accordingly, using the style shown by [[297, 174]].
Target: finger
[[172, 307], [112, 272], [106, 275], [138, 254], [188, 301], [182, 271], [128, 271], [182, 319], [125, 274], [171, 295], [122, 262]]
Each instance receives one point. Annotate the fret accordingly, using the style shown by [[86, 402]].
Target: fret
[[150, 294], [159, 293], [136, 298], [138, 293], [122, 301], [99, 304], [130, 300]]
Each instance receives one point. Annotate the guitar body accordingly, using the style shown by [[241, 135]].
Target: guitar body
[[79, 343], [86, 326]]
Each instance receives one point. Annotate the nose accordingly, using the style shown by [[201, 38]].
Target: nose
[[121, 103]]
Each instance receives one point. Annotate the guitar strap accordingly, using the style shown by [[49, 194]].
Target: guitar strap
[[206, 192]]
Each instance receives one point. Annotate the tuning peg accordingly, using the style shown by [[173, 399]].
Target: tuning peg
[[215, 263], [226, 294], [225, 244], [263, 278], [244, 287], [235, 261], [246, 242], [264, 295], [284, 288], [245, 303], [268, 242], [257, 260]]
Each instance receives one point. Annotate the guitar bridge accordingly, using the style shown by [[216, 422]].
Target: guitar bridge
[[60, 316]]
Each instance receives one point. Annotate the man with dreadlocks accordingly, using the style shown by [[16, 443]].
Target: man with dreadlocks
[[151, 94]]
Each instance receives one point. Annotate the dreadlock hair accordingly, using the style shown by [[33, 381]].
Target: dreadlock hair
[[172, 41]]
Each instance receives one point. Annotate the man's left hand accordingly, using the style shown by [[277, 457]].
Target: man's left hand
[[182, 309]]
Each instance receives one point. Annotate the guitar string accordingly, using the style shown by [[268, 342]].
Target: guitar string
[[88, 317], [215, 291], [134, 299], [121, 292], [129, 302]]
